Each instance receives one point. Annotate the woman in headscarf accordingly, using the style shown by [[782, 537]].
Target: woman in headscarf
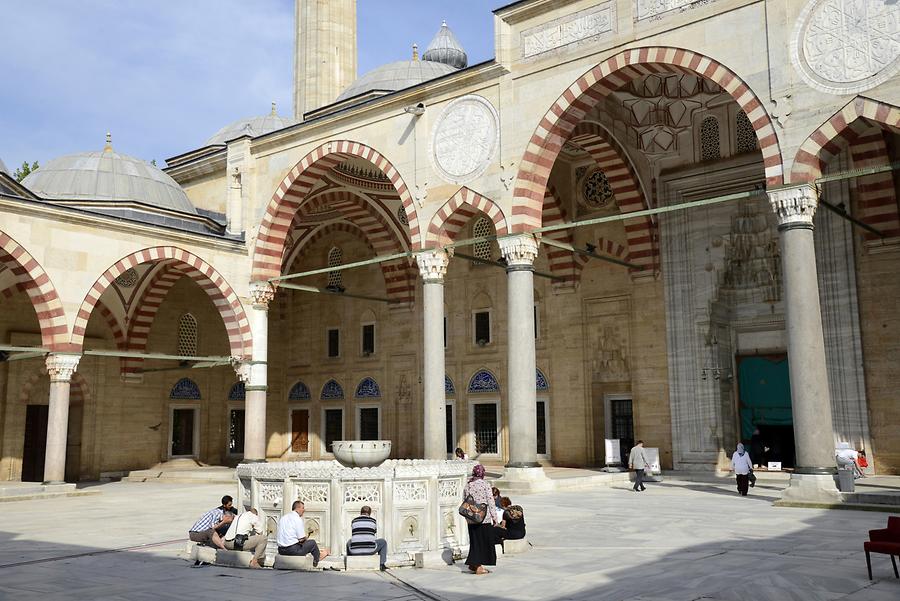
[[742, 466], [481, 536]]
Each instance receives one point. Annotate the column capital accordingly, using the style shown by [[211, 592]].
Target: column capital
[[433, 264], [794, 206], [241, 368], [61, 367], [519, 251], [261, 294]]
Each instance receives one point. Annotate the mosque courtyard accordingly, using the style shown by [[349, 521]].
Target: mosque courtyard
[[679, 540]]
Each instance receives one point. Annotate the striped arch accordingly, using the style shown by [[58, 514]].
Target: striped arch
[[36, 283], [456, 212], [113, 323], [275, 227], [79, 392], [876, 193], [563, 263], [612, 159], [219, 291], [571, 107], [399, 276], [842, 128]]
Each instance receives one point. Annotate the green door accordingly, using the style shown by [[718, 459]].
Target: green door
[[765, 404]]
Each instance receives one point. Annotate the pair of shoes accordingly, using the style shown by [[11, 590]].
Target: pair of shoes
[[199, 564], [383, 568], [643, 489]]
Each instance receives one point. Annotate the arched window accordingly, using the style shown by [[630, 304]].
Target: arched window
[[482, 227], [449, 389], [299, 392], [332, 391], [709, 140], [185, 389], [484, 381], [745, 134], [187, 335], [237, 392], [335, 258], [368, 389]]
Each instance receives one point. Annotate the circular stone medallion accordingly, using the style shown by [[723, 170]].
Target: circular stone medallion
[[847, 46], [464, 138]]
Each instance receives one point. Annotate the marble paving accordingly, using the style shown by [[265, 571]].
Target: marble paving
[[678, 541]]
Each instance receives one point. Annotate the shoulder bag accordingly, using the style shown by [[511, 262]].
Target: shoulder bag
[[472, 511], [239, 539]]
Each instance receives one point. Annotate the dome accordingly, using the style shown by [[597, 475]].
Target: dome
[[3, 168], [445, 48], [396, 76], [107, 175], [254, 126]]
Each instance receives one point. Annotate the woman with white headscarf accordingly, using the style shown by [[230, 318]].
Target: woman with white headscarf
[[742, 466]]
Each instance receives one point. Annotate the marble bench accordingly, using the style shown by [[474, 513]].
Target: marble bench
[[515, 547], [304, 563], [233, 559], [196, 552], [361, 562]]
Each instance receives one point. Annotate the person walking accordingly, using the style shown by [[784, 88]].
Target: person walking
[[637, 461], [481, 536], [742, 466]]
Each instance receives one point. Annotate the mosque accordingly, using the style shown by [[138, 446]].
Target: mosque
[[668, 220]]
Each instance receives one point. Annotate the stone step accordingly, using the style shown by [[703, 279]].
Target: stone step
[[361, 562], [303, 563], [233, 559]]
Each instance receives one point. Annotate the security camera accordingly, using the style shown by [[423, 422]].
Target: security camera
[[416, 109]]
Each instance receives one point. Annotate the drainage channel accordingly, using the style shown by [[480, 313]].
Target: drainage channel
[[410, 588], [90, 554]]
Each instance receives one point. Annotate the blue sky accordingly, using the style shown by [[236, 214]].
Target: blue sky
[[163, 75]]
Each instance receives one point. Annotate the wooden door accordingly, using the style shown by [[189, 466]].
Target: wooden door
[[35, 443], [300, 431], [182, 432]]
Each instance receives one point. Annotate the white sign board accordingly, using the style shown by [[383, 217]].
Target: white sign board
[[774, 466], [613, 451], [652, 455]]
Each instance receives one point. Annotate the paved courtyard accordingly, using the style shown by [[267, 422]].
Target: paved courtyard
[[677, 541]]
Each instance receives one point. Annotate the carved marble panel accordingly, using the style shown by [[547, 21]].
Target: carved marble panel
[[410, 491], [270, 493], [657, 9], [449, 489], [589, 24], [312, 492], [362, 492], [465, 138]]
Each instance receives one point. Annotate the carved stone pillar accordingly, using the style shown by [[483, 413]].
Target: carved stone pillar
[[254, 373], [60, 369], [813, 478], [520, 253], [433, 267]]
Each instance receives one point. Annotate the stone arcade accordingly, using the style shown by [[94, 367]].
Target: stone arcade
[[671, 326]]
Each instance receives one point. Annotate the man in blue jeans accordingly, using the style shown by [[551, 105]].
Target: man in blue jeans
[[291, 535], [362, 538]]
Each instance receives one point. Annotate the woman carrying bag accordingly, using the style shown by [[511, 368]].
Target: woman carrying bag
[[481, 515], [742, 466]]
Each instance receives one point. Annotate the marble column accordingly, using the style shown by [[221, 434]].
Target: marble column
[[60, 369], [520, 253], [254, 373], [813, 478], [433, 267]]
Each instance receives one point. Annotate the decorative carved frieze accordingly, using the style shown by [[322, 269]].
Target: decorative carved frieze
[[795, 206], [61, 367], [410, 491], [519, 250], [362, 492], [657, 9], [312, 492], [270, 493], [589, 24], [433, 264]]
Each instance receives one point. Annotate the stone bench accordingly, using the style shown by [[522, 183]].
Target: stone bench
[[196, 552], [304, 563], [434, 559], [361, 562], [515, 547], [233, 559]]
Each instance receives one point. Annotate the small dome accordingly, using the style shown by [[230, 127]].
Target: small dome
[[107, 175], [253, 127], [396, 76], [3, 168], [445, 48]]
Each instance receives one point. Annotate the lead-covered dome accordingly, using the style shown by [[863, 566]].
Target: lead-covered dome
[[107, 175], [445, 48], [396, 76], [252, 126]]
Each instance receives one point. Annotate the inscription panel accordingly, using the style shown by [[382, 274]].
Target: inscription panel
[[588, 24], [465, 138]]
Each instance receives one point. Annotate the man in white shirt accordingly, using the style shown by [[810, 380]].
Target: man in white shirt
[[637, 461], [246, 533], [291, 535]]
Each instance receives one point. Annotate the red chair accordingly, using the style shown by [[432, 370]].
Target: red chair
[[886, 541]]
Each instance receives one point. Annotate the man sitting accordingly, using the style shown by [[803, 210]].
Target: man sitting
[[362, 538], [204, 530], [246, 534], [291, 536], [226, 507]]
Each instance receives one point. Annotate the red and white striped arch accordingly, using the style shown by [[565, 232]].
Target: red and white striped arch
[[220, 293], [842, 128], [293, 189], [876, 193], [32, 279], [456, 213], [563, 263], [578, 99], [612, 159]]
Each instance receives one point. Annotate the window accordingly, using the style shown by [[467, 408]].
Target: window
[[451, 436], [445, 332], [369, 423], [482, 250], [541, 428], [537, 325], [236, 431], [334, 342], [334, 427], [709, 140], [484, 417], [368, 339], [745, 134], [482, 328], [187, 335], [335, 259]]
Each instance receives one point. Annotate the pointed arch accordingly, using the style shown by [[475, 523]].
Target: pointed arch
[[32, 278], [296, 185], [587, 91], [483, 380], [204, 275], [563, 263], [456, 212], [299, 392]]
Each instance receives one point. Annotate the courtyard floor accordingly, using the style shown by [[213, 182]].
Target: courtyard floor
[[678, 541]]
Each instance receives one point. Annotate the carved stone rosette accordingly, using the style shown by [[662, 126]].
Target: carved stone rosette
[[519, 251], [433, 264], [795, 207], [61, 367], [261, 294]]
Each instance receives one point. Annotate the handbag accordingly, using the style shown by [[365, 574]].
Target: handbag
[[472, 511], [752, 478], [239, 539]]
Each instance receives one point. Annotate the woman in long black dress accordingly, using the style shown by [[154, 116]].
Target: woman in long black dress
[[481, 536]]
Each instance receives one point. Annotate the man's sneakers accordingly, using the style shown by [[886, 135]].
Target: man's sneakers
[[200, 564], [383, 568]]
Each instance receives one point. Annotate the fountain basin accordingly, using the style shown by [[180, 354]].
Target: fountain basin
[[361, 453]]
